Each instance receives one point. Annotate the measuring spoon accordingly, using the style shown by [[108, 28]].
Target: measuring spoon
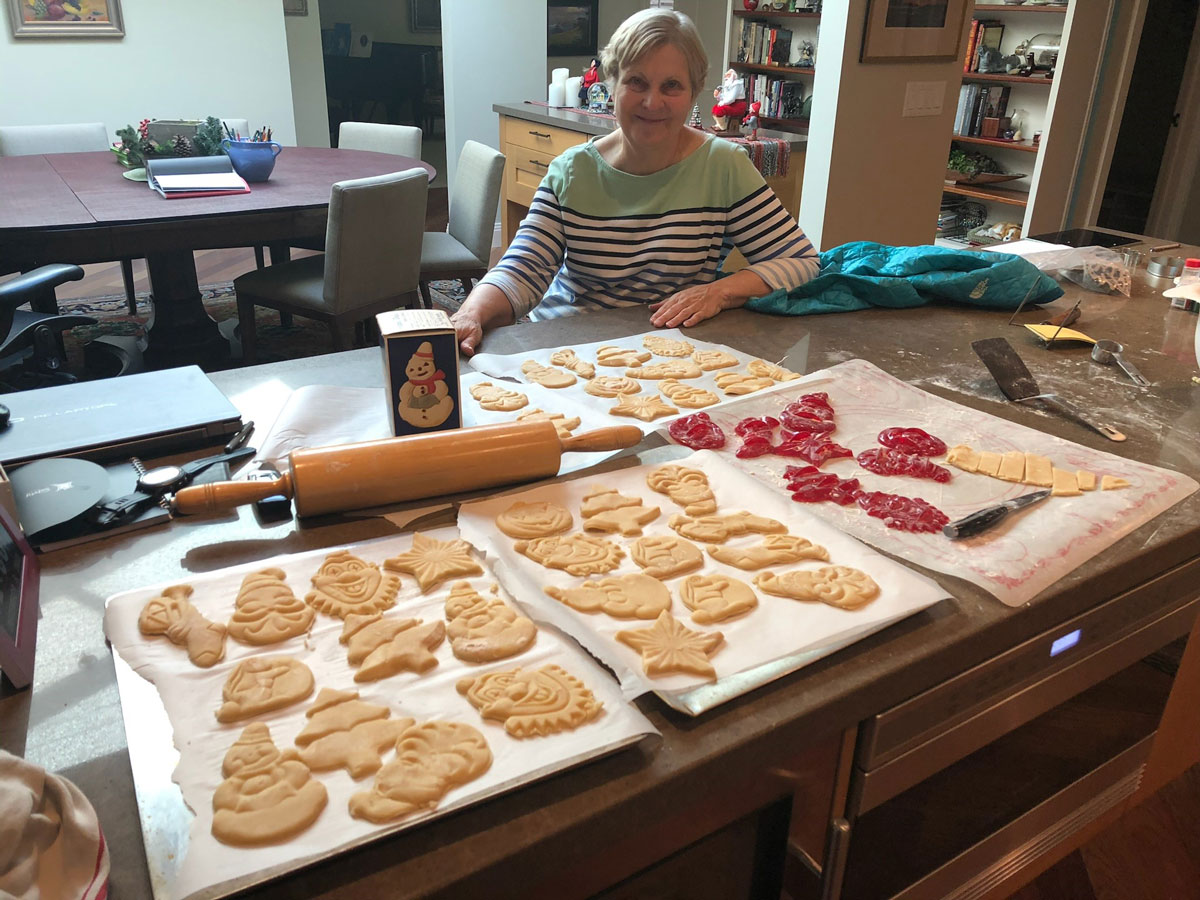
[[1109, 352]]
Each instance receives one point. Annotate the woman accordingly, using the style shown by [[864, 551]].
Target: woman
[[647, 213]]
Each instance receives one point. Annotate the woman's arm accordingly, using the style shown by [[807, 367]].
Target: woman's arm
[[694, 304], [487, 307]]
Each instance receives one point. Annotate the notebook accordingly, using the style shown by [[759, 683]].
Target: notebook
[[194, 176]]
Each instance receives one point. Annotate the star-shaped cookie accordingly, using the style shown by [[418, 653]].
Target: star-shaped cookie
[[646, 407], [431, 561], [668, 647]]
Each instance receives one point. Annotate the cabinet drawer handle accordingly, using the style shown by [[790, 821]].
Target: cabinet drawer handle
[[539, 134], [538, 162]]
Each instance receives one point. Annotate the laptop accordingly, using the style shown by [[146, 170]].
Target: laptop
[[149, 414]]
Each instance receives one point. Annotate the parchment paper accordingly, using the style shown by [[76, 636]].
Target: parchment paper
[[191, 696], [755, 644], [1017, 559], [322, 415]]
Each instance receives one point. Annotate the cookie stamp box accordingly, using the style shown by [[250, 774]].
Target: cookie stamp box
[[420, 362]]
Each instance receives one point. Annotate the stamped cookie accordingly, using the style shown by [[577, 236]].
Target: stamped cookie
[[431, 758], [263, 683], [601, 499], [619, 356], [498, 399], [576, 554], [665, 346], [172, 614], [267, 796], [627, 519], [665, 556], [539, 519], [612, 386], [763, 369], [647, 407], [546, 376], [344, 732], [736, 383], [562, 424], [718, 529], [267, 611], [568, 360], [431, 561], [687, 487], [715, 598], [711, 360], [668, 647], [532, 702], [346, 585], [382, 647], [687, 395], [483, 629], [621, 596], [838, 586], [676, 368], [774, 550]]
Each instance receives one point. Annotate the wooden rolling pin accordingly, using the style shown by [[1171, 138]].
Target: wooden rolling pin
[[392, 470]]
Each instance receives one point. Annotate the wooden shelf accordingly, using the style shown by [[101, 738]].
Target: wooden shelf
[[1007, 79], [1003, 7], [773, 14], [771, 70], [1027, 146], [991, 194], [793, 125]]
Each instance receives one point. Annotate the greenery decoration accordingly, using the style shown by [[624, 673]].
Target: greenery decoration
[[971, 163], [135, 146]]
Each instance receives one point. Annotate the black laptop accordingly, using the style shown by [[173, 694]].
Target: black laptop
[[148, 414]]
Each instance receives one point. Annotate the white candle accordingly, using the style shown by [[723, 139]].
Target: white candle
[[559, 76], [556, 93], [573, 90]]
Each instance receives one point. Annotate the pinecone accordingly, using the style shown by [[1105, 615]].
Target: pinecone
[[182, 146]]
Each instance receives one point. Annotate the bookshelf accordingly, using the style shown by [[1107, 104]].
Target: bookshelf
[[768, 83]]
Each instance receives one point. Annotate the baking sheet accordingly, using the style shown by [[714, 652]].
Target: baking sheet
[[1017, 559], [779, 636], [170, 716]]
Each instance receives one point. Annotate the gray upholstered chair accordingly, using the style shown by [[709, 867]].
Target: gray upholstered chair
[[371, 262], [402, 140], [464, 249], [30, 140]]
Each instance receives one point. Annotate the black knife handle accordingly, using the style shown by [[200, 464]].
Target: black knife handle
[[975, 523]]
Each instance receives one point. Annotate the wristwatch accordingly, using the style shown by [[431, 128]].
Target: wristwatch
[[154, 484]]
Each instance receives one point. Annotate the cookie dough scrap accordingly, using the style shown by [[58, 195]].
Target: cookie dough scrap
[[763, 369], [431, 561], [383, 647], [346, 585], [737, 383], [1063, 484], [431, 759], [498, 399], [603, 499], [669, 647], [1086, 480], [612, 386], [687, 395], [263, 683], [562, 424], [483, 629], [963, 457], [718, 529], [575, 554], [687, 487], [1038, 470], [532, 702], [619, 356], [172, 614], [538, 519], [1012, 466], [665, 556], [1112, 483], [711, 360], [676, 368], [621, 596], [774, 550], [344, 732], [665, 346], [267, 612], [838, 586], [989, 463], [267, 797], [1035, 470], [628, 520], [715, 598], [546, 376], [647, 408], [568, 360]]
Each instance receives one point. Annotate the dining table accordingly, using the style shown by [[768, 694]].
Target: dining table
[[77, 208]]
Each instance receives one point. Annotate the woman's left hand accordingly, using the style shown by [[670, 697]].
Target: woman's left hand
[[691, 306]]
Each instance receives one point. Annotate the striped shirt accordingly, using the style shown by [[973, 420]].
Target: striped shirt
[[599, 238]]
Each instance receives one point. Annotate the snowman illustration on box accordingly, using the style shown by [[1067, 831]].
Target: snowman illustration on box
[[424, 400]]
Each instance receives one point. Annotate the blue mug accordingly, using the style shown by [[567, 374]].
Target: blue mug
[[253, 160]]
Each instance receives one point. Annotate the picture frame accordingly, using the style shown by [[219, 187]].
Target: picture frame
[[19, 579], [913, 30], [572, 27], [99, 19], [295, 7], [425, 15]]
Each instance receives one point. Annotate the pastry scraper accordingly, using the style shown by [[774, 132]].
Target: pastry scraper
[[1018, 385]]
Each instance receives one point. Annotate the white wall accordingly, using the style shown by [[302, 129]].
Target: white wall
[[176, 61], [307, 67]]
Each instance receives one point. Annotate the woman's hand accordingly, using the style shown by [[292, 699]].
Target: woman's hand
[[692, 305], [485, 308], [468, 330]]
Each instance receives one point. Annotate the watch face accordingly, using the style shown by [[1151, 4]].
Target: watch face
[[162, 477]]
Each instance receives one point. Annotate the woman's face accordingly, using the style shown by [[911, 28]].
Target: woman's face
[[654, 97]]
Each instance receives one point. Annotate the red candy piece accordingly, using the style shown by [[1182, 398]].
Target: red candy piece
[[754, 445], [912, 440], [809, 484], [697, 431], [816, 449], [763, 426], [811, 413], [885, 461], [902, 513]]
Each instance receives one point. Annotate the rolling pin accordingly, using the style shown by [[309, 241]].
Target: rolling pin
[[393, 470]]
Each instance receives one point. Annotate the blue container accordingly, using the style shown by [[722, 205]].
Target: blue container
[[253, 160]]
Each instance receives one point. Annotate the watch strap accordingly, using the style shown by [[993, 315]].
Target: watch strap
[[196, 466]]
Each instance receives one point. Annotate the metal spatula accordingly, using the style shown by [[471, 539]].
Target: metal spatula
[[1018, 385]]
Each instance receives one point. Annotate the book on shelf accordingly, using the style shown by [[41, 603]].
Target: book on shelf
[[791, 99], [981, 109], [1001, 102], [964, 93], [194, 176], [990, 34], [781, 51], [973, 36]]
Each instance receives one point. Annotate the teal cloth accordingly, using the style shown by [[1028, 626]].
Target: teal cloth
[[863, 274]]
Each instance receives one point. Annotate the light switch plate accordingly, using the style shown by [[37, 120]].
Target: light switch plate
[[924, 98]]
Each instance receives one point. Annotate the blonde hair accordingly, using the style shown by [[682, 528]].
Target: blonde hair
[[647, 30]]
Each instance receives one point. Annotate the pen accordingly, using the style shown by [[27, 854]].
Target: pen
[[240, 439]]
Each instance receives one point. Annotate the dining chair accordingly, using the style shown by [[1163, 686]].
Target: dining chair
[[465, 248], [402, 140], [30, 140], [371, 262]]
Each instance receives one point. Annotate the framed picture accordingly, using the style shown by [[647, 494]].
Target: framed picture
[[425, 15], [295, 7], [72, 18], [904, 30], [571, 27]]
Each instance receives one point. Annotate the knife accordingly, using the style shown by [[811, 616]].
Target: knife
[[981, 521], [1018, 385]]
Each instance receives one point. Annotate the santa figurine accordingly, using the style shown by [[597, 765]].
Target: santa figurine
[[590, 77], [731, 101], [751, 120]]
